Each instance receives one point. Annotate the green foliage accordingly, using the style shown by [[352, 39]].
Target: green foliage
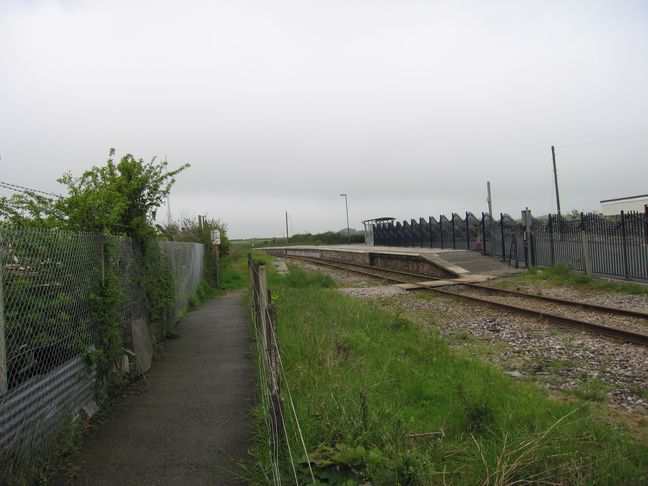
[[233, 271], [190, 230], [299, 279], [68, 288], [121, 197], [561, 274], [105, 303], [326, 238]]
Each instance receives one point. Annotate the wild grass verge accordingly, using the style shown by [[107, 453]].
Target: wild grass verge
[[562, 275], [379, 399]]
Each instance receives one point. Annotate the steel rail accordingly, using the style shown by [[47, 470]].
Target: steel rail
[[622, 334], [547, 298]]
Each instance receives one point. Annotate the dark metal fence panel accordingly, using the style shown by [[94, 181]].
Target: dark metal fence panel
[[424, 228], [618, 245], [492, 235], [474, 232], [605, 244], [635, 224], [512, 233], [459, 232], [399, 234], [435, 230]]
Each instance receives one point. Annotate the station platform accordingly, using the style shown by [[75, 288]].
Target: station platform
[[434, 262]]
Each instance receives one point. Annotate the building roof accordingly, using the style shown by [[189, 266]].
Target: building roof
[[379, 220], [629, 198]]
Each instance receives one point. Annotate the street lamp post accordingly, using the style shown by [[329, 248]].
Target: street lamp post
[[346, 203]]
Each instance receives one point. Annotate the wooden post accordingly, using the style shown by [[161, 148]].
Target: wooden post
[[254, 273], [3, 349], [263, 303], [586, 253], [274, 371]]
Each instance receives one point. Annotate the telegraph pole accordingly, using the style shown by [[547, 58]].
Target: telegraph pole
[[553, 156], [489, 199], [346, 203], [287, 228]]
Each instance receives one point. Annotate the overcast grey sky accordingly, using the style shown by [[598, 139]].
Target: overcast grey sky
[[407, 106]]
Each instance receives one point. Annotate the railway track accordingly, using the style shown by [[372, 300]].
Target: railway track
[[632, 325]]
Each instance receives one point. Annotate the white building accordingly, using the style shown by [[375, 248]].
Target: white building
[[611, 207]]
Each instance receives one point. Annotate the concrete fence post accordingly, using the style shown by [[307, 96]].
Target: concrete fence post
[[3, 349]]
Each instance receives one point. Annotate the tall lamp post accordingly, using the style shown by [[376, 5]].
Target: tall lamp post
[[346, 203]]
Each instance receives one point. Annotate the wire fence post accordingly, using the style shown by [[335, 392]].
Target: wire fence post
[[484, 232], [275, 375], [551, 242], [441, 230], [420, 225], [625, 246], [502, 233], [263, 303], [3, 349]]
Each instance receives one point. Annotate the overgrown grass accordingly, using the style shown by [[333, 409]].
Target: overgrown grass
[[381, 400], [298, 278], [562, 275]]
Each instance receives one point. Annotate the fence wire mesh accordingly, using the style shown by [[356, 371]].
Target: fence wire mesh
[[285, 436], [127, 264], [48, 277], [186, 261]]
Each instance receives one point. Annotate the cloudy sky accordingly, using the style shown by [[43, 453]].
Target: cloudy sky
[[407, 106]]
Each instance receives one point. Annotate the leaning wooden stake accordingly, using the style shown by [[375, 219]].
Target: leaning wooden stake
[[274, 369]]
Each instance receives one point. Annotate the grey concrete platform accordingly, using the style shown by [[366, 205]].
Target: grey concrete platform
[[451, 262]]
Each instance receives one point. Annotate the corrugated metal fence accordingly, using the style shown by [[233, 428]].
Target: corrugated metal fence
[[47, 334]]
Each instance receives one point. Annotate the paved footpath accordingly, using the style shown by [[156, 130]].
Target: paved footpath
[[191, 423]]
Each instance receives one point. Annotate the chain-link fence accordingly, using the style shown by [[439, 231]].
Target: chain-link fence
[[49, 334], [186, 260]]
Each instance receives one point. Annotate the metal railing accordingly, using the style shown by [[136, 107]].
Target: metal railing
[[613, 245]]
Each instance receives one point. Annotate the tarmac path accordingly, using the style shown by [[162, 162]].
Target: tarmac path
[[189, 422]]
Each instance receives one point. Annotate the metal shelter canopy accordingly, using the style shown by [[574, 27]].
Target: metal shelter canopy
[[368, 227], [385, 219]]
